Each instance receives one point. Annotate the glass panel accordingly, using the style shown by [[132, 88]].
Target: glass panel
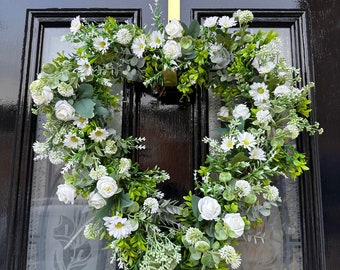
[[282, 248], [56, 240]]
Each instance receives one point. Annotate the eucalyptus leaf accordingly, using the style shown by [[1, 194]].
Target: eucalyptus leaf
[[125, 201], [194, 29], [194, 202], [99, 110], [85, 90], [84, 107], [208, 260]]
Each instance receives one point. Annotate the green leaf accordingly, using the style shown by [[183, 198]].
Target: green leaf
[[85, 90], [103, 212], [194, 29], [194, 202], [219, 232], [208, 260], [99, 110], [239, 157], [125, 201], [84, 107]]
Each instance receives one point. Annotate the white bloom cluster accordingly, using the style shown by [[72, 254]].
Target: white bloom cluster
[[91, 231], [243, 16], [98, 172], [243, 188], [193, 235], [151, 205], [230, 256], [123, 36], [271, 193]]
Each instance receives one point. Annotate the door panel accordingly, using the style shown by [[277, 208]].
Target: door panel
[[20, 60]]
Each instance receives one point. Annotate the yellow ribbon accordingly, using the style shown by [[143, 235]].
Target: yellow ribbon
[[174, 9]]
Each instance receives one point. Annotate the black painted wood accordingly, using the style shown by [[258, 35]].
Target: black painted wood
[[316, 26]]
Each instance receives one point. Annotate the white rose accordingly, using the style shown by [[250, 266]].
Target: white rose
[[66, 193], [42, 97], [242, 111], [209, 208], [172, 49], [64, 111], [75, 24], [235, 223], [107, 186], [96, 200], [223, 113], [174, 29]]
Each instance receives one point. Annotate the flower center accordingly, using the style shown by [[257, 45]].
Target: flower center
[[119, 225], [102, 44], [229, 144], [74, 139], [260, 90], [98, 133], [246, 142]]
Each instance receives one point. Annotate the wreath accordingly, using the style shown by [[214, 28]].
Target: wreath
[[263, 110]]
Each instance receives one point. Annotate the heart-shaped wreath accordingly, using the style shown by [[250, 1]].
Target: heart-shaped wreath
[[262, 112]]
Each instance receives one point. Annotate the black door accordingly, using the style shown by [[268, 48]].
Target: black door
[[314, 29]]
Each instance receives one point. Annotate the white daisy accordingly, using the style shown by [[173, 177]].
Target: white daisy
[[118, 227], [73, 141], [84, 67], [123, 36], [227, 143], [246, 140], [258, 154], [99, 134], [210, 22], [156, 39], [226, 22], [80, 122], [101, 44], [259, 91], [138, 46]]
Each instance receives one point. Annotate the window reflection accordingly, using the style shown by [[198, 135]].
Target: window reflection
[[56, 238]]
